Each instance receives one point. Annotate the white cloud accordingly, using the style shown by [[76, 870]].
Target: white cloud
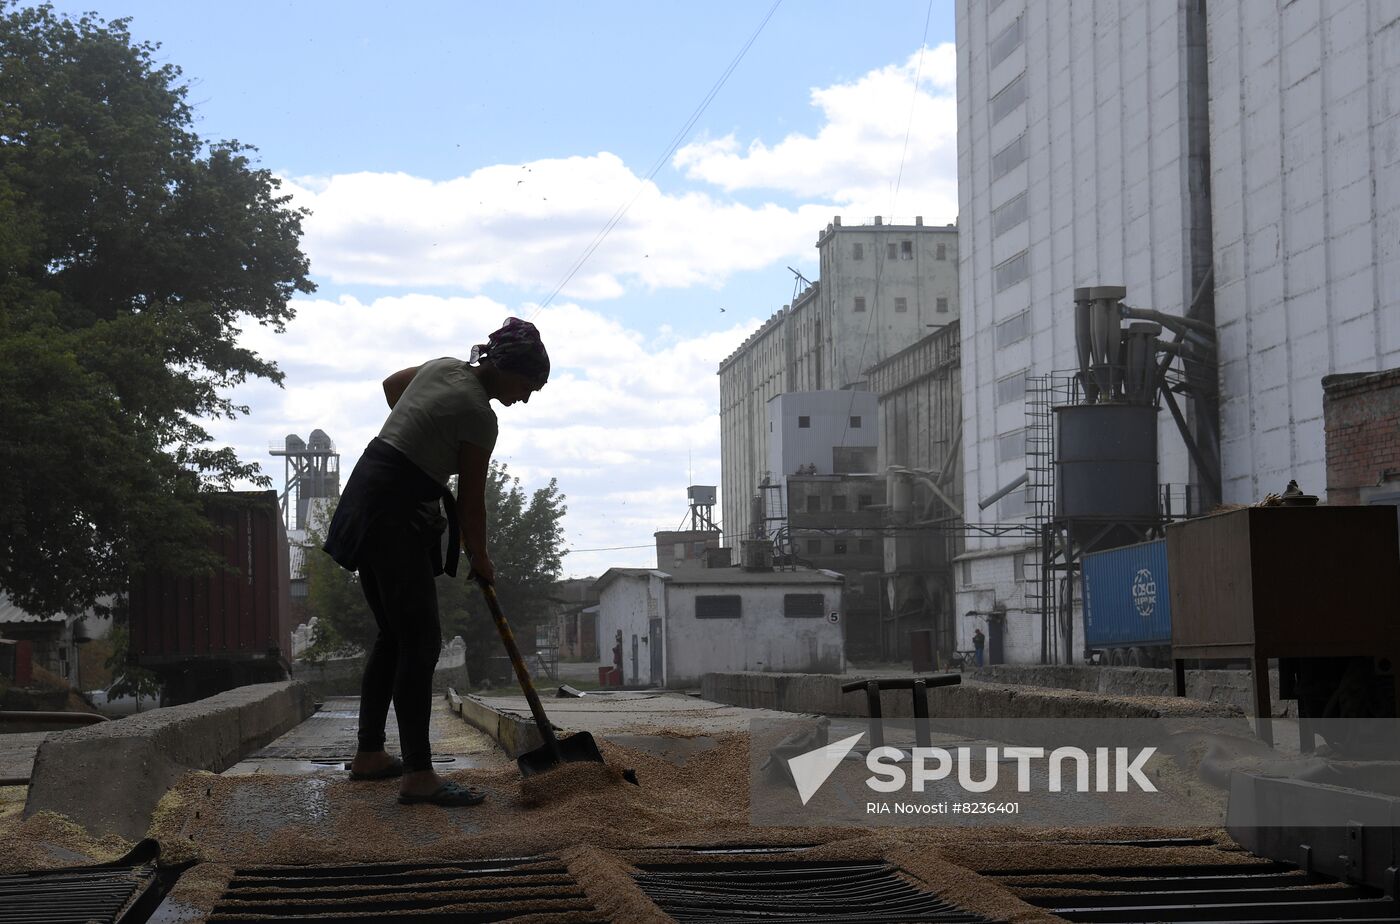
[[624, 420], [854, 160], [526, 226]]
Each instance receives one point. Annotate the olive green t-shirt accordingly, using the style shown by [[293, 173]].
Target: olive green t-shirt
[[443, 406]]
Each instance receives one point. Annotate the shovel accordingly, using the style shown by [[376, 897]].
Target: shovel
[[577, 748]]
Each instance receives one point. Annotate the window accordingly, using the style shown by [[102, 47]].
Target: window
[[1011, 446], [1007, 101], [891, 251], [941, 305], [1009, 158], [857, 251], [1018, 566], [1013, 329], [863, 501], [803, 606], [1010, 272], [860, 303], [901, 305], [867, 546], [940, 252], [804, 423], [679, 551], [814, 503], [718, 606], [1011, 389], [855, 423], [1001, 47], [1009, 215], [700, 548], [838, 502], [906, 250], [814, 546], [839, 547], [965, 573]]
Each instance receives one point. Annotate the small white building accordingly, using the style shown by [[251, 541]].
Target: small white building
[[670, 630]]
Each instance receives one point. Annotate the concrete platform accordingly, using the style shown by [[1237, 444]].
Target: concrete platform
[[629, 718], [327, 740], [109, 777]]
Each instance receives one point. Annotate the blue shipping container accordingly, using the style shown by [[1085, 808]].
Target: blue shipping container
[[1127, 601]]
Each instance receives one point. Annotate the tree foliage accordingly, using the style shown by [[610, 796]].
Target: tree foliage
[[525, 534], [131, 254], [526, 537]]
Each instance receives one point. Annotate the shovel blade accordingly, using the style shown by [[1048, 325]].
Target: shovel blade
[[577, 748]]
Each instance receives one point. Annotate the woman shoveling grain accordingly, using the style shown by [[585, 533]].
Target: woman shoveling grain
[[388, 527]]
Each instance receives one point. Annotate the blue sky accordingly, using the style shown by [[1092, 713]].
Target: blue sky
[[460, 157]]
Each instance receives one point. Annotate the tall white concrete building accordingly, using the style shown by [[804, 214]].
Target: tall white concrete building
[[884, 285], [1234, 162]]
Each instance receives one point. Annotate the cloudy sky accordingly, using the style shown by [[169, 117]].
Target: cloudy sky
[[462, 160]]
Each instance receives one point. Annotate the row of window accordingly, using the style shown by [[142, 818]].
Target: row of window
[[904, 250], [901, 304], [731, 606], [838, 502]]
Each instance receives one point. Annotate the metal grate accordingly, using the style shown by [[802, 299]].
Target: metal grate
[[120, 892], [1262, 892], [792, 892], [487, 890]]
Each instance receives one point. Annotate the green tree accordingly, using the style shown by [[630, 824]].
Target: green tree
[[526, 537], [131, 255], [344, 622], [128, 679]]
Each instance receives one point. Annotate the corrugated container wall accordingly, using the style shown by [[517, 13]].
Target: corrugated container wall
[[241, 612], [1126, 597]]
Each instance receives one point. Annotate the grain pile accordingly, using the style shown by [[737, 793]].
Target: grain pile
[[48, 840]]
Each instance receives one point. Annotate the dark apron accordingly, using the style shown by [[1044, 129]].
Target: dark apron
[[387, 486]]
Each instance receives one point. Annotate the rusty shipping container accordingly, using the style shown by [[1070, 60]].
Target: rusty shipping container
[[237, 614]]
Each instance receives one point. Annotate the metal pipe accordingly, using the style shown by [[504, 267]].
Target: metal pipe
[[52, 718], [1191, 447], [1170, 321], [1002, 492]]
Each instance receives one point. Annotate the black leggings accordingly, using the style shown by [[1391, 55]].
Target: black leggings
[[396, 575]]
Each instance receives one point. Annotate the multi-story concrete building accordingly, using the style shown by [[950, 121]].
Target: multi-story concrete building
[[1233, 163], [883, 286], [920, 427]]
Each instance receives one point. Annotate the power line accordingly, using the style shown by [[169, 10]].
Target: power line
[[661, 161], [880, 264]]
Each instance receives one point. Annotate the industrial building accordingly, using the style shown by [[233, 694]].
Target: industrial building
[[919, 393], [672, 629], [883, 286], [1227, 170]]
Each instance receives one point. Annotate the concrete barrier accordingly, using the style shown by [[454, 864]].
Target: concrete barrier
[[341, 677], [821, 694], [109, 777], [1233, 687], [515, 735]]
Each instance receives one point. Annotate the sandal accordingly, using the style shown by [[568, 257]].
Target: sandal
[[394, 769], [449, 795]]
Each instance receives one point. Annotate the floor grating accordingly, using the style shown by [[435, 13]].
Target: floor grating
[[426, 893], [1236, 892], [114, 893], [792, 892]]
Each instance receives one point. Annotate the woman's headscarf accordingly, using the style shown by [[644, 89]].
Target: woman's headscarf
[[515, 347]]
